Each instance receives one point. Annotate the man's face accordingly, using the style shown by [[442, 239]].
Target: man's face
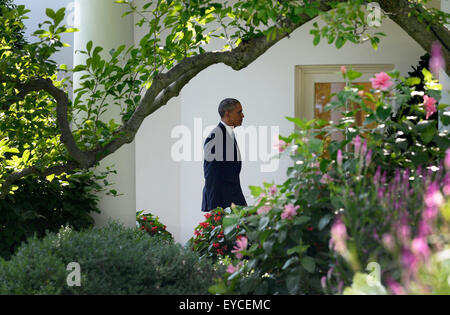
[[235, 116]]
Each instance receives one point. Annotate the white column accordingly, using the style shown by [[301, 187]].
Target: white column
[[443, 77], [101, 21]]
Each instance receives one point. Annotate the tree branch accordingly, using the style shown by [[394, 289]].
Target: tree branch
[[416, 29], [56, 169]]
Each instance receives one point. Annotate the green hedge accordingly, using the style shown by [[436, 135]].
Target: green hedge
[[40, 205], [112, 260]]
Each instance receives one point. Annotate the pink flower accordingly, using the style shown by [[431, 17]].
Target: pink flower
[[395, 287], [261, 197], [264, 210], [364, 148], [339, 236], [409, 260], [273, 190], [388, 242], [437, 61], [326, 179], [419, 247], [447, 159], [280, 145], [446, 188], [424, 227], [241, 245], [339, 158], [343, 69], [361, 93], [369, 157], [403, 229], [433, 196], [231, 269], [357, 143], [382, 81], [428, 104], [289, 211], [323, 282]]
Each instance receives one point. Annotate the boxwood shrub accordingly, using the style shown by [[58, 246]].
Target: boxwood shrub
[[112, 260]]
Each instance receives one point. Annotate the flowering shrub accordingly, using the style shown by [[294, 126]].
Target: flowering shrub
[[149, 223], [281, 241], [209, 239], [407, 233], [362, 185], [405, 135]]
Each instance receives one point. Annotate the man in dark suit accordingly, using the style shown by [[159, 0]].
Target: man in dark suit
[[222, 160]]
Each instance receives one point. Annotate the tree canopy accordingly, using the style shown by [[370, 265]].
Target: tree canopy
[[38, 132]]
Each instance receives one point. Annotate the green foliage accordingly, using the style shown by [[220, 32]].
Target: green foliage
[[349, 22], [389, 139], [210, 239], [113, 260], [401, 225], [16, 37], [285, 255], [289, 254], [151, 224], [174, 30], [40, 205]]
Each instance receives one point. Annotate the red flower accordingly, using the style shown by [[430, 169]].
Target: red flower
[[141, 228], [217, 218], [208, 215], [204, 225], [197, 233], [309, 228], [216, 245], [144, 218], [154, 229], [219, 251]]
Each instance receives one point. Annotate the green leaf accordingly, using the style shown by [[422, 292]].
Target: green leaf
[[300, 123], [412, 81], [293, 284], [427, 134], [324, 221], [50, 177], [25, 156], [427, 75], [383, 113], [420, 158], [289, 262], [50, 13], [263, 222], [340, 42], [89, 46], [308, 263], [301, 219], [255, 190], [353, 75], [316, 40]]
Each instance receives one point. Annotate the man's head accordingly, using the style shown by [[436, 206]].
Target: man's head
[[230, 111]]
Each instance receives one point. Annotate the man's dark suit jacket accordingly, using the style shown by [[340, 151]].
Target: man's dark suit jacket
[[221, 166]]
